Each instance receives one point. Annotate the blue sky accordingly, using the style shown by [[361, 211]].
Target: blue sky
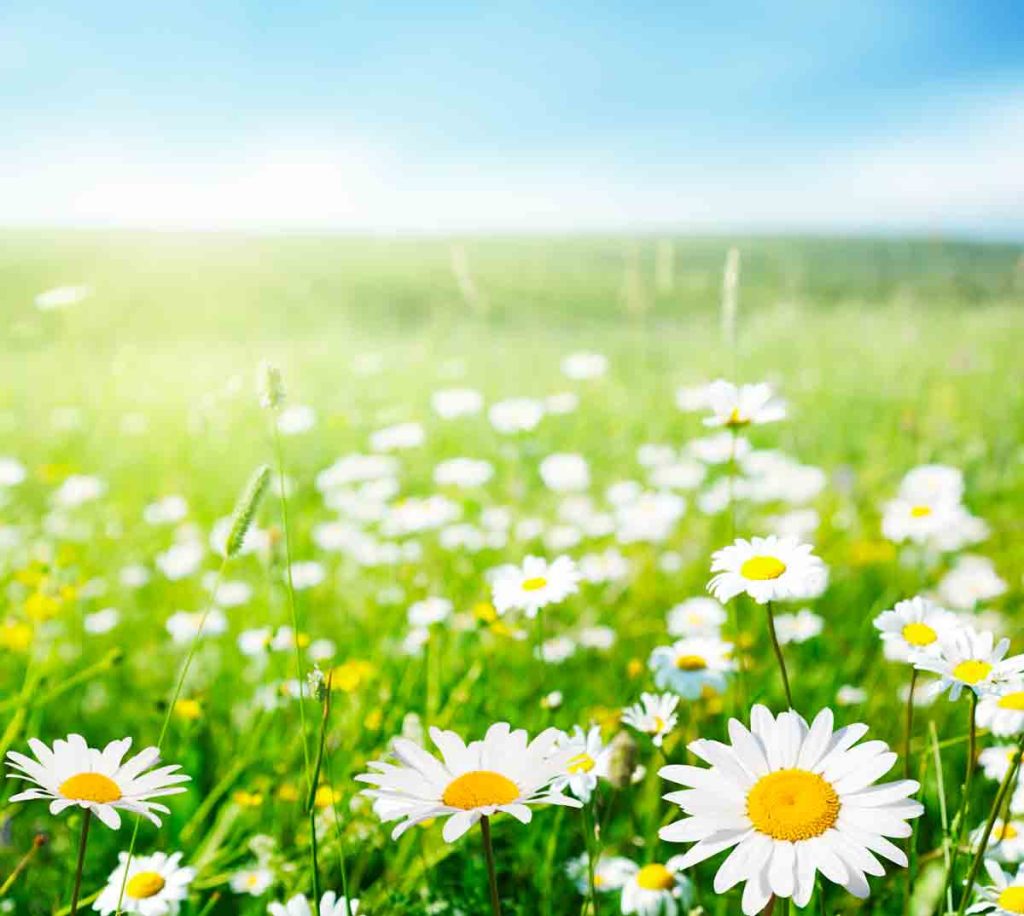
[[428, 116]]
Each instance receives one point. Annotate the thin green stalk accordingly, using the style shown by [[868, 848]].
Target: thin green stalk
[[81, 861], [339, 835], [38, 842], [909, 726], [593, 853], [960, 822], [311, 797], [1004, 789], [492, 877], [778, 654], [943, 813]]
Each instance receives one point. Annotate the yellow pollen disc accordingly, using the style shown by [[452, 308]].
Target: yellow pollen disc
[[581, 763], [792, 805], [1012, 754], [144, 884], [736, 418], [655, 878], [919, 634], [659, 724], [1014, 701], [691, 663], [1008, 832], [479, 788], [1012, 899], [534, 584], [93, 787], [972, 671], [762, 568], [920, 511], [598, 880]]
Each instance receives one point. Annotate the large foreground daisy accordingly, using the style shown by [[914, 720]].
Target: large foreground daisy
[[155, 885], [767, 569], [503, 772], [72, 773], [793, 800]]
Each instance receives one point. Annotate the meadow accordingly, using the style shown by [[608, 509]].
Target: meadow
[[131, 423]]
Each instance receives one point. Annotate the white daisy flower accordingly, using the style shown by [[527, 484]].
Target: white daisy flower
[[556, 650], [849, 695], [252, 881], [793, 800], [918, 520], [1002, 712], [995, 761], [586, 764], [689, 665], [584, 366], [534, 585], [296, 419], [967, 658], [735, 406], [650, 517], [72, 773], [399, 436], [696, 617], [610, 873], [180, 560], [165, 511], [503, 772], [467, 473], [565, 472], [184, 626], [971, 580], [516, 415], [767, 569], [307, 574], [608, 566], [1004, 896], [933, 483], [719, 448], [451, 403], [330, 905], [564, 402], [912, 627], [799, 627], [155, 885], [655, 715], [657, 889], [1006, 842], [429, 611]]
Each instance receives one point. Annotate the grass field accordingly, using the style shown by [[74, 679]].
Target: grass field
[[889, 353]]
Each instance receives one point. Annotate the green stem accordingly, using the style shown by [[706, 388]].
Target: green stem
[[960, 823], [81, 861], [492, 877], [909, 728], [1004, 789], [778, 654]]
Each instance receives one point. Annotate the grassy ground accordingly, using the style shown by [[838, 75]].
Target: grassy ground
[[890, 353]]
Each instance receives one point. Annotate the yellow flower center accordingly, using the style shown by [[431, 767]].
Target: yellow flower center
[[655, 877], [972, 671], [735, 418], [659, 724], [1012, 899], [919, 634], [144, 884], [920, 511], [762, 568], [93, 787], [1014, 701], [581, 763], [479, 788], [691, 663], [534, 584], [792, 805], [1007, 832]]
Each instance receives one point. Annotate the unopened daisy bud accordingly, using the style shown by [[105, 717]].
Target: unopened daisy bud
[[271, 387], [246, 509], [622, 760]]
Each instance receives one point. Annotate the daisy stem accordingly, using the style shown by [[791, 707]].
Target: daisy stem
[[909, 724], [592, 856], [81, 861], [1004, 789], [943, 815], [960, 822], [492, 878], [769, 907], [778, 654]]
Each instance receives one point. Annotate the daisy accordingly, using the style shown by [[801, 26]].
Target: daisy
[[1006, 843], [252, 881], [587, 763], [502, 772], [735, 406], [913, 627], [798, 627], [330, 905], [696, 617], [429, 611], [466, 473], [656, 889], [1002, 712], [933, 483], [967, 658], [689, 665], [72, 773], [399, 436], [584, 366], [610, 873], [516, 415], [767, 569], [971, 580], [565, 472], [155, 885], [793, 800], [719, 448], [534, 585], [654, 715], [995, 761], [451, 403], [1004, 896]]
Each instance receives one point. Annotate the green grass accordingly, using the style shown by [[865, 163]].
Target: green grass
[[891, 353]]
